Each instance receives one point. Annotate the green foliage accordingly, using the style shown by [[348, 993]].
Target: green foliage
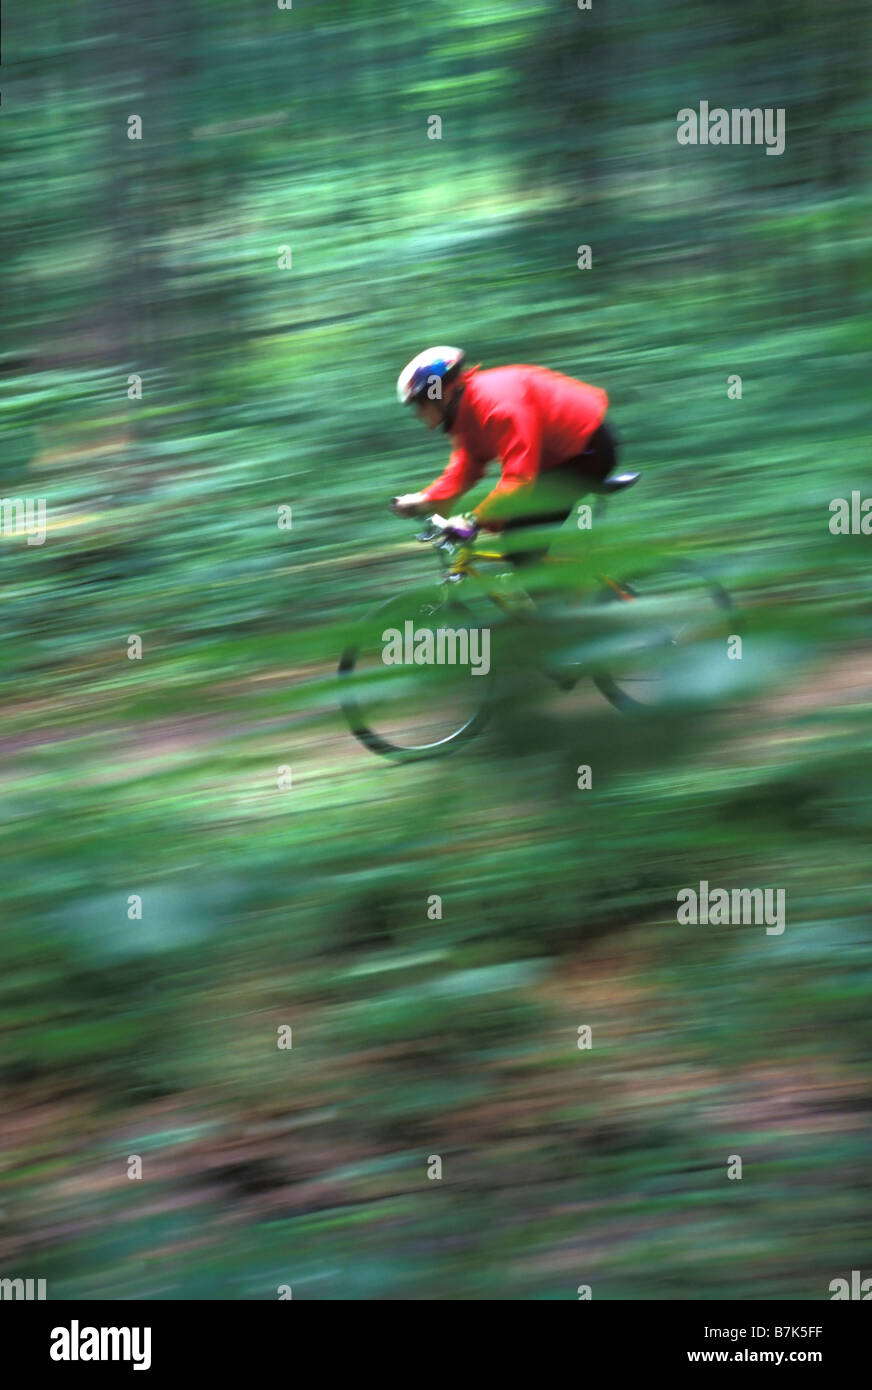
[[415, 1035]]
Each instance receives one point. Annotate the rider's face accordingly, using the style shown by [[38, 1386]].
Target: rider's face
[[430, 412], [433, 412]]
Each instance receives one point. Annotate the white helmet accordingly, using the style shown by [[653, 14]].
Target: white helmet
[[442, 363]]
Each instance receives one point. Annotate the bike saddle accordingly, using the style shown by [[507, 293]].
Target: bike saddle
[[617, 482]]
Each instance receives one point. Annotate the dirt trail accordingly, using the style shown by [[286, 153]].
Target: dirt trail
[[321, 745]]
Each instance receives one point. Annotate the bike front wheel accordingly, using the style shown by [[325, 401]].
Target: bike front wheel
[[415, 677]]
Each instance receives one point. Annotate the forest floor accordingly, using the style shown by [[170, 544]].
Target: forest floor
[[64, 1168]]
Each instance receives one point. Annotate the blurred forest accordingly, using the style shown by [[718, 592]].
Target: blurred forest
[[264, 387]]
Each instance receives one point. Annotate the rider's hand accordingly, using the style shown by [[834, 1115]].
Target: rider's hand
[[410, 504], [462, 528]]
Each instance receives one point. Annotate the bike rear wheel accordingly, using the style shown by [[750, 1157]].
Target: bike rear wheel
[[671, 651], [429, 701]]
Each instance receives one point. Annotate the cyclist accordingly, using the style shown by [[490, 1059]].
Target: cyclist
[[549, 432]]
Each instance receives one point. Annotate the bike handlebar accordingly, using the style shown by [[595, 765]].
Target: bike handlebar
[[438, 529]]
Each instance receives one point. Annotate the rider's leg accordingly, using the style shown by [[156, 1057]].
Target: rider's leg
[[554, 496], [598, 460], [550, 506]]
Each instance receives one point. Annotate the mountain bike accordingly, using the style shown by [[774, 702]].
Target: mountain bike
[[417, 679]]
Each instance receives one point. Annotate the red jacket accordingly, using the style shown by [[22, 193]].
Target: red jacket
[[532, 419]]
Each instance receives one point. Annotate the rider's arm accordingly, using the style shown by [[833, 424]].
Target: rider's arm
[[462, 472], [459, 476], [520, 449]]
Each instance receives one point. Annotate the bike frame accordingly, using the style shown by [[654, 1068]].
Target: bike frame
[[464, 560]]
